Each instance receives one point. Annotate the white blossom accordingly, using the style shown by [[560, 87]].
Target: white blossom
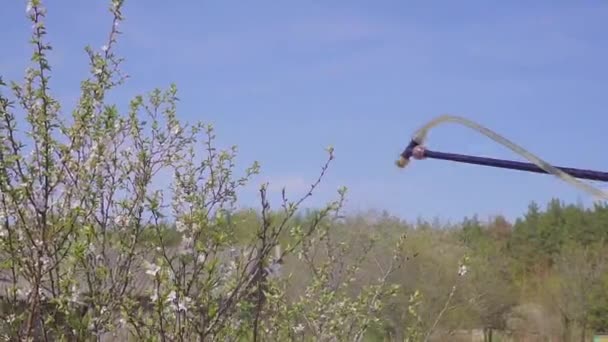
[[38, 103], [171, 296], [46, 261], [182, 305], [41, 293], [154, 296], [180, 226], [74, 296], [121, 220], [186, 245], [201, 258], [22, 293], [175, 129], [20, 235], [91, 248], [462, 270], [151, 268]]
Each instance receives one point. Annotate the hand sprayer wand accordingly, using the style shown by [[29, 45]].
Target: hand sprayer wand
[[419, 152], [416, 150]]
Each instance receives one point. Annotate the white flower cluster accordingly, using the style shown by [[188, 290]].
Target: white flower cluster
[[121, 221], [462, 270], [3, 230], [298, 328], [151, 268], [180, 226], [187, 245], [177, 304]]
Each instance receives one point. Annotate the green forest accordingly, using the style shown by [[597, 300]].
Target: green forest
[[544, 275]]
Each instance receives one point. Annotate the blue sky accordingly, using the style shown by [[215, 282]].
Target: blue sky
[[276, 76]]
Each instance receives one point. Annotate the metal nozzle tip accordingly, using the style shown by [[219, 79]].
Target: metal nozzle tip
[[402, 162]]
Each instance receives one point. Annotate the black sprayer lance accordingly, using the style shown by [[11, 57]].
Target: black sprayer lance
[[416, 150]]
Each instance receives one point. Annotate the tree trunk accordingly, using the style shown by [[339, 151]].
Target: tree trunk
[[584, 331], [487, 334], [565, 328]]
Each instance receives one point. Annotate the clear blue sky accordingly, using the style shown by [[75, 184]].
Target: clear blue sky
[[276, 76]]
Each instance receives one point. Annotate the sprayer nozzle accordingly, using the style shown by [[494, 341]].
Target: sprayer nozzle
[[402, 162], [407, 154]]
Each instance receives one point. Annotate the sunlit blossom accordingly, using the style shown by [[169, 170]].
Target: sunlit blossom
[[180, 226], [151, 268], [462, 270]]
